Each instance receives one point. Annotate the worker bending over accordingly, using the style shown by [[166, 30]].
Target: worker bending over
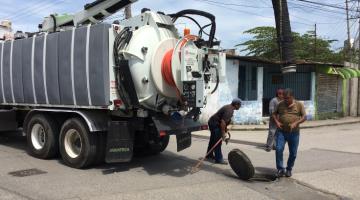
[[218, 127]]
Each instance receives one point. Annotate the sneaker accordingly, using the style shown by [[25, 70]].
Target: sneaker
[[267, 149], [288, 173], [222, 162], [210, 159], [280, 173]]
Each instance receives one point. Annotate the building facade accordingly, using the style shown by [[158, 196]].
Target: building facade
[[255, 81], [6, 30]]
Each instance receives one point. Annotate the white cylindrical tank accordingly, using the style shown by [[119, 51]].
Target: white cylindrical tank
[[145, 52], [167, 70]]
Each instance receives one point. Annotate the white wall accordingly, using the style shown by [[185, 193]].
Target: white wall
[[226, 91], [249, 113]]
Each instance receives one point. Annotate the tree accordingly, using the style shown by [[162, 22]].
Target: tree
[[264, 44]]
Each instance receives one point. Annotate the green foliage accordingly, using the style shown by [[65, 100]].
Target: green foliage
[[264, 44]]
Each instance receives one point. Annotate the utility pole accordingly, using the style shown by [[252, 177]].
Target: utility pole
[[358, 35], [348, 49], [315, 43], [284, 36], [358, 95], [127, 12]]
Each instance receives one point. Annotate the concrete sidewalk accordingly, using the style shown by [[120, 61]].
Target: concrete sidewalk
[[257, 134], [328, 158], [307, 124]]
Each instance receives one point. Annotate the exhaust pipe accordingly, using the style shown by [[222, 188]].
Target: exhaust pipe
[[285, 39]]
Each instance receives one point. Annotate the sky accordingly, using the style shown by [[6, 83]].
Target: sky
[[233, 17]]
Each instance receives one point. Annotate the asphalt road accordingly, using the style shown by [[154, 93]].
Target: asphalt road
[[167, 176]]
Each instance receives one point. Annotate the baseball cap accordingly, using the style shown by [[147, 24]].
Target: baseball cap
[[236, 101]]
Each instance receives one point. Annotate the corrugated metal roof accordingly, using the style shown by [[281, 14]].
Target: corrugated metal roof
[[267, 61]]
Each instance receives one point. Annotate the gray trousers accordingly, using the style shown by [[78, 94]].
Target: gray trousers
[[270, 142]]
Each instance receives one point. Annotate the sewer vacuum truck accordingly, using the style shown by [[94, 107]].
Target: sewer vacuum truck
[[92, 92]]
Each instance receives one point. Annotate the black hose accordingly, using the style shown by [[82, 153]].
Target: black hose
[[201, 28], [200, 13], [121, 40], [192, 19], [202, 31], [217, 81]]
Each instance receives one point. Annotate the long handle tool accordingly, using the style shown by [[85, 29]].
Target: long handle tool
[[196, 168]]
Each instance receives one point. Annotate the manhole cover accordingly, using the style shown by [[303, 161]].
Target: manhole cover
[[241, 164], [27, 172]]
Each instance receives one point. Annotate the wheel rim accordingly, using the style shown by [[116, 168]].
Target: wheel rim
[[38, 136], [73, 143]]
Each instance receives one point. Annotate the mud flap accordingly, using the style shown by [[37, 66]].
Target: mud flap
[[8, 120], [181, 128], [183, 141], [241, 164], [120, 142]]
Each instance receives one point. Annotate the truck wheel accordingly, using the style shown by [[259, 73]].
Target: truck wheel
[[42, 134], [152, 147], [77, 145], [159, 145], [163, 142]]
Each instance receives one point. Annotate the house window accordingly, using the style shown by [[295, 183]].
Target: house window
[[247, 82]]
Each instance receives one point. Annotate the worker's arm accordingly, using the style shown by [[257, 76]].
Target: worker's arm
[[275, 116], [272, 106], [223, 127], [301, 120]]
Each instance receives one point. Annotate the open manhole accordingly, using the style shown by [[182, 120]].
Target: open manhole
[[27, 172], [244, 169], [262, 177]]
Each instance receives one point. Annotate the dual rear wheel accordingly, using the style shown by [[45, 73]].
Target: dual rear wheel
[[77, 146]]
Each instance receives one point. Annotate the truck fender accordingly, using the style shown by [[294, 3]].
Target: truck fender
[[97, 121]]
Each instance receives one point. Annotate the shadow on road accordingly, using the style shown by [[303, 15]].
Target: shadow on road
[[13, 139], [180, 166], [166, 163]]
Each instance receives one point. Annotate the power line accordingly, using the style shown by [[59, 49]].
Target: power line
[[23, 9], [266, 2], [315, 8], [30, 9], [234, 9], [325, 4], [233, 4], [313, 21], [37, 9], [251, 13], [224, 5]]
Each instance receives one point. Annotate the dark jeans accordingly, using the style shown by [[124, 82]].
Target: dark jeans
[[293, 142], [215, 136]]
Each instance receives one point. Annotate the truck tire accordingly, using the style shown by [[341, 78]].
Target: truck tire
[[42, 134], [158, 146], [164, 141], [152, 147], [78, 146]]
